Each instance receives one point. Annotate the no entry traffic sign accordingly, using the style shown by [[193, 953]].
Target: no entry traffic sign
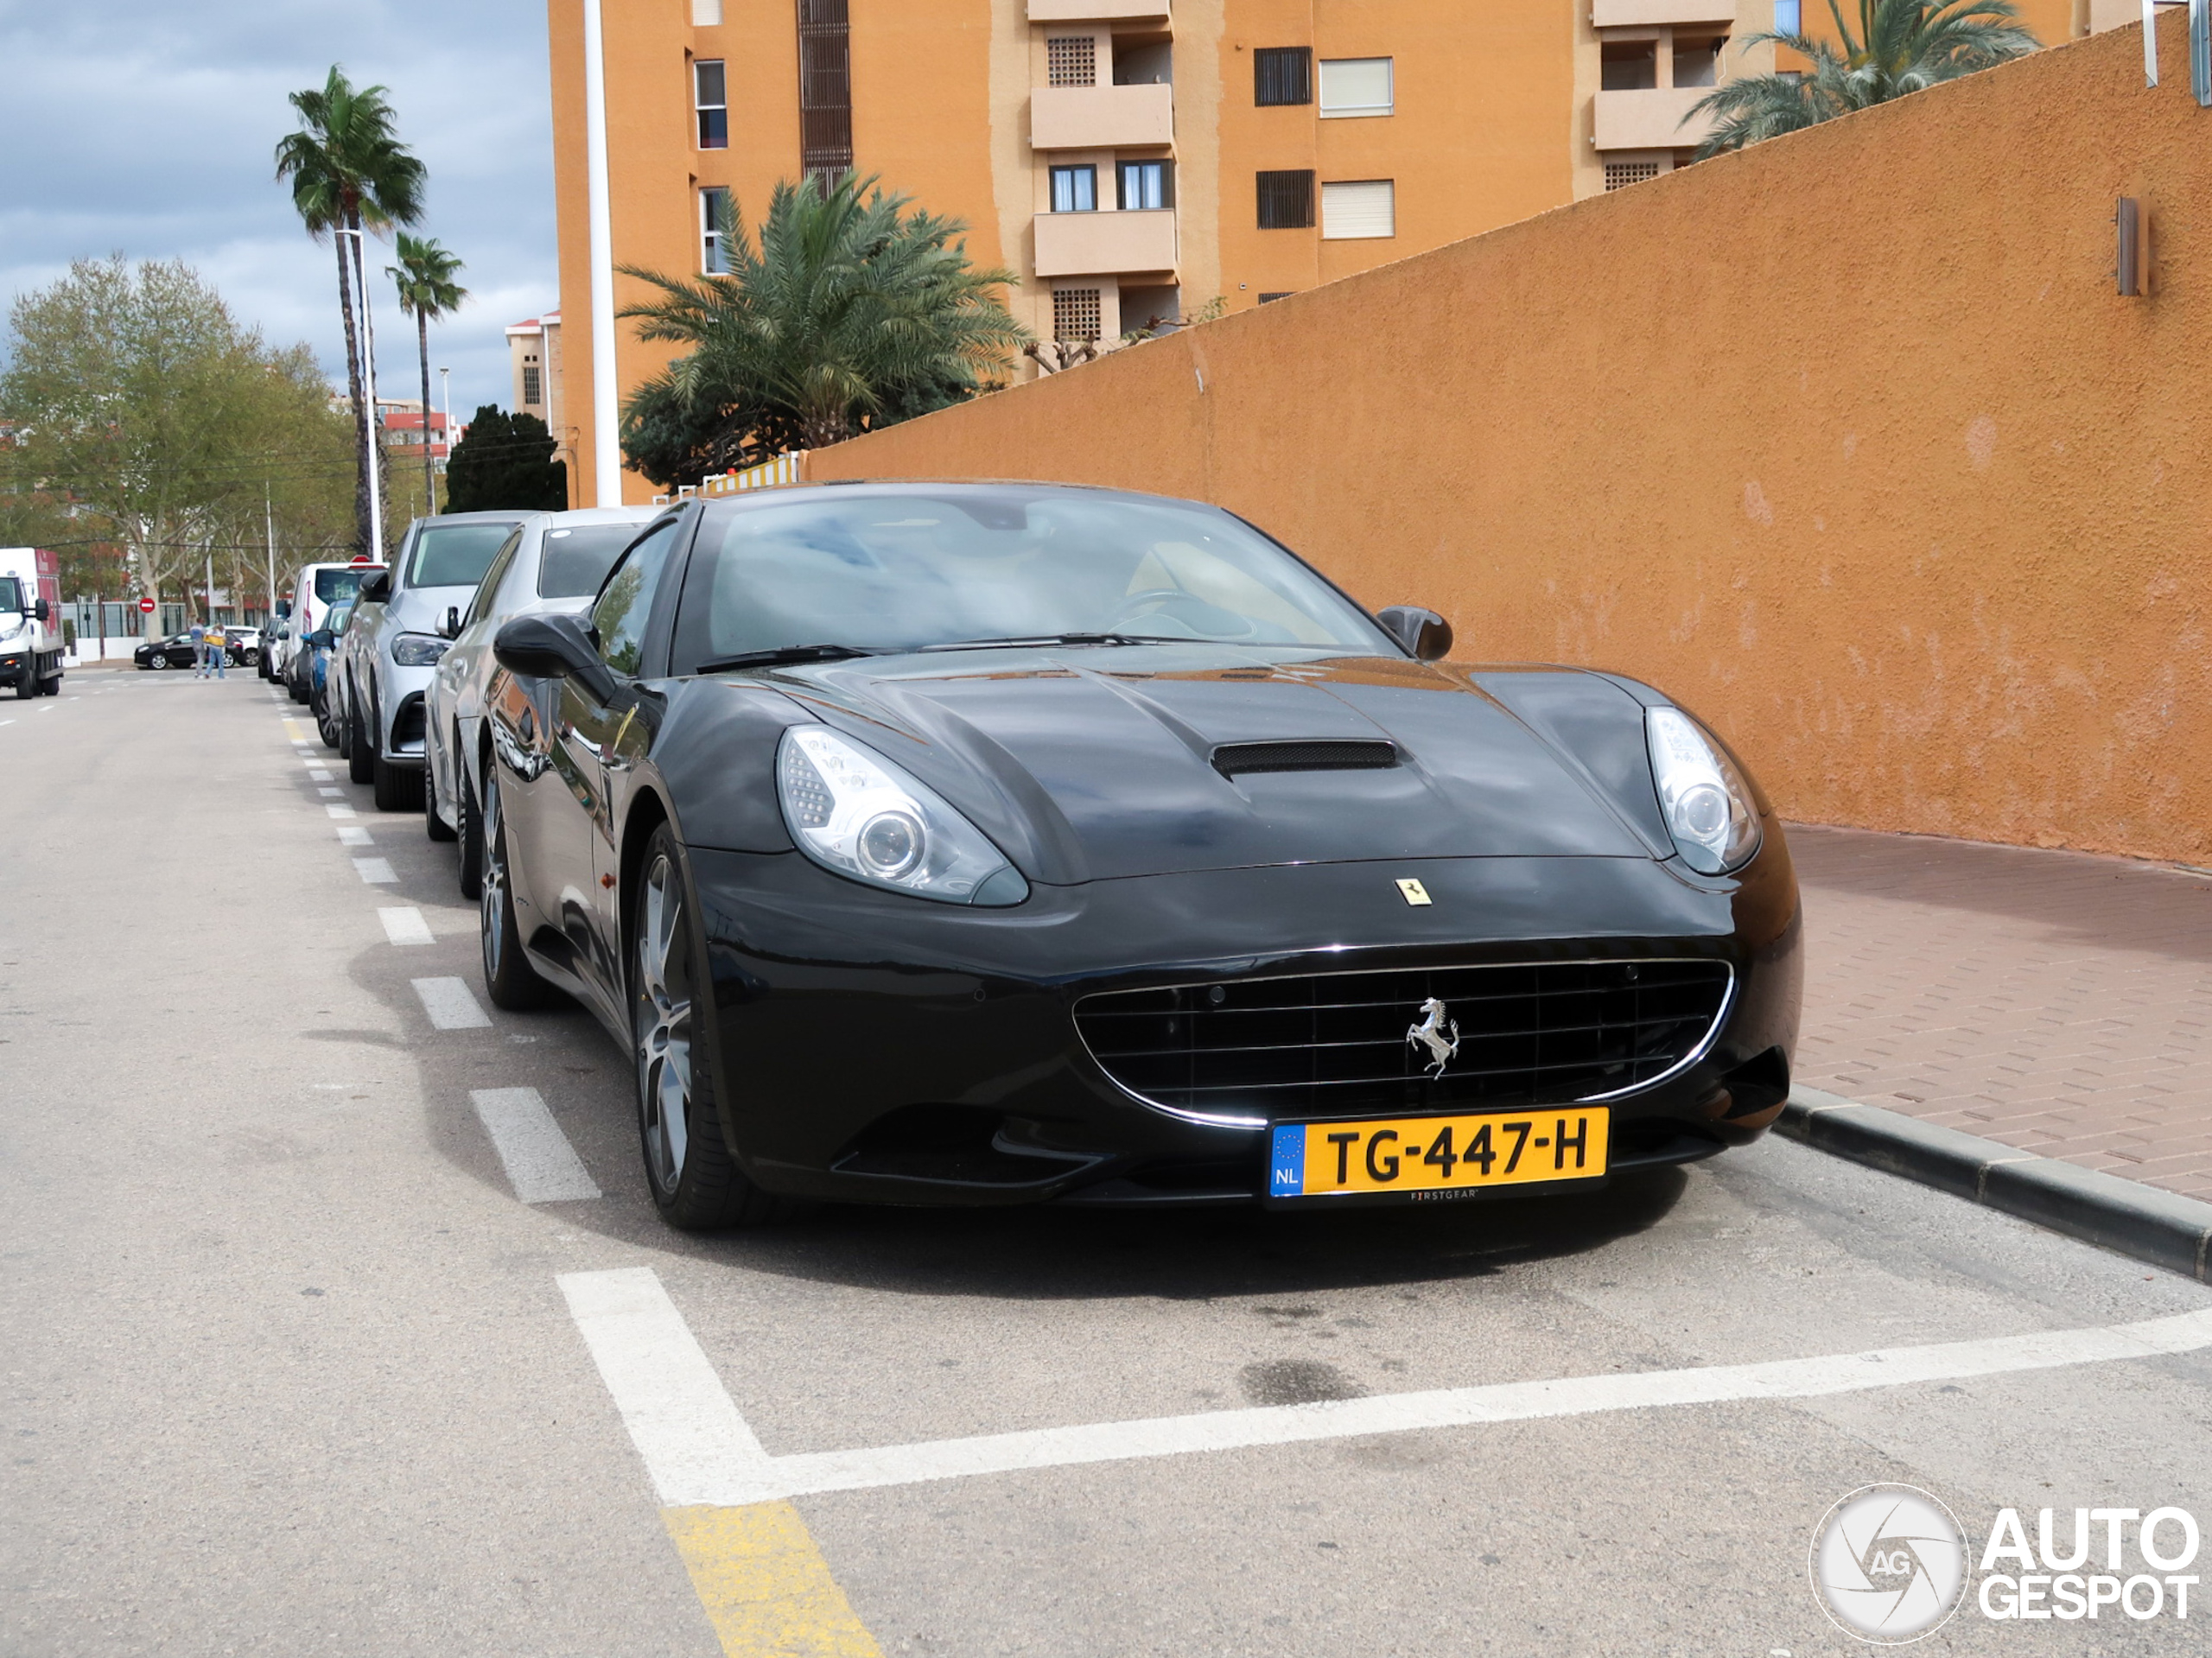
[[145, 606]]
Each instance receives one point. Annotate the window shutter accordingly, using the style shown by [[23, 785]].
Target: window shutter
[[1356, 87], [1367, 207]]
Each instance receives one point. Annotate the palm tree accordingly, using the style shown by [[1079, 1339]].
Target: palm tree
[[850, 310], [350, 173], [1902, 46], [425, 276]]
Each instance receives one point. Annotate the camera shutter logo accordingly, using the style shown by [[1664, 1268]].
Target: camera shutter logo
[[1888, 1563]]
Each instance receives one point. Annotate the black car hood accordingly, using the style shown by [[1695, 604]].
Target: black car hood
[[1095, 763]]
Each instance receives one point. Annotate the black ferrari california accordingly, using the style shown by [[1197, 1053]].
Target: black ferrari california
[[959, 843]]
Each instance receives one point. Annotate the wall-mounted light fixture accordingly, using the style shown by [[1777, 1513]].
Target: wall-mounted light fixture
[[2132, 267]]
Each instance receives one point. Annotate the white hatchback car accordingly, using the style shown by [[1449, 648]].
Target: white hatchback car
[[553, 562]]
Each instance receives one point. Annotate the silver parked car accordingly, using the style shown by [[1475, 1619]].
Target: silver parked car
[[384, 664], [553, 562]]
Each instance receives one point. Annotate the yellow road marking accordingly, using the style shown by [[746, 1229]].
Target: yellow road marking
[[766, 1589]]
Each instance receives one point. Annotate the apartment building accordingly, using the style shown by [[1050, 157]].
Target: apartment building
[[1132, 160], [534, 372]]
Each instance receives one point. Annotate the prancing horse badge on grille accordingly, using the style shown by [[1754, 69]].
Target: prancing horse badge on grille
[[1440, 1035]]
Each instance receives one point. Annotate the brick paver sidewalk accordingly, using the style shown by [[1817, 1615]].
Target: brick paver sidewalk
[[2057, 1002]]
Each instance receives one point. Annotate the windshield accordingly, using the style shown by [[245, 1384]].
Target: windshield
[[576, 560], [892, 571], [339, 618], [455, 554], [11, 593], [333, 586]]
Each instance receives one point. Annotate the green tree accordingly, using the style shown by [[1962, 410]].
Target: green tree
[[506, 463], [142, 417], [350, 174], [425, 276], [1902, 46], [850, 314]]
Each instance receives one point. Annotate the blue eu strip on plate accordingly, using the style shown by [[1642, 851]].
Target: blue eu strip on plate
[[1287, 1165]]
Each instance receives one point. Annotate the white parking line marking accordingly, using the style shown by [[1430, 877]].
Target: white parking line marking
[[679, 1415], [318, 774], [405, 926], [449, 1005], [7, 723], [712, 1457], [540, 1164], [340, 811], [377, 872], [351, 836], [333, 793]]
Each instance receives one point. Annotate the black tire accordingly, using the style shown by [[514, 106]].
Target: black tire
[[433, 825], [360, 755], [325, 726], [471, 835], [397, 789], [509, 978], [298, 685], [697, 1186], [27, 684]]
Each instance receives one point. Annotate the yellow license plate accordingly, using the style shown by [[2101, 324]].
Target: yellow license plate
[[1420, 1154]]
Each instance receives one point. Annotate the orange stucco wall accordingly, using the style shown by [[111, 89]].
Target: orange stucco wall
[[1847, 441]]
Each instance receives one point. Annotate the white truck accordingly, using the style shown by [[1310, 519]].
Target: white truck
[[30, 632]]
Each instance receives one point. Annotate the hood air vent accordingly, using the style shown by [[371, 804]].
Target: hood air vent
[[1238, 759]]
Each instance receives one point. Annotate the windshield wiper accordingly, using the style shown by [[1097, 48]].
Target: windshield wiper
[[1052, 638], [781, 656]]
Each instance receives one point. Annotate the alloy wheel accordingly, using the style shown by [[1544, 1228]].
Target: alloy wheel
[[494, 893], [664, 1023]]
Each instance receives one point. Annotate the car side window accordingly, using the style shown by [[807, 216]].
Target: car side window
[[479, 604], [626, 601]]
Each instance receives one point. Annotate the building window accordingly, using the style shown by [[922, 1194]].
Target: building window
[[1282, 74], [706, 13], [1789, 17], [714, 219], [1147, 185], [533, 385], [1620, 174], [1077, 313], [1071, 60], [1628, 66], [1363, 209], [1355, 87], [1697, 62], [1269, 299], [712, 102], [825, 89], [1287, 201], [1075, 189]]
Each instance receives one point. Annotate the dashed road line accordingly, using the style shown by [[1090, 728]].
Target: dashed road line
[[405, 926], [540, 1164], [349, 835], [449, 1004], [377, 872], [339, 810], [697, 1456], [334, 794], [758, 1572]]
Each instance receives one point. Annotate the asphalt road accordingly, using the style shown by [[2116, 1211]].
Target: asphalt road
[[286, 1367]]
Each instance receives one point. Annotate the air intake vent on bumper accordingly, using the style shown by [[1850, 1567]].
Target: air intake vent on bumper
[[1237, 759]]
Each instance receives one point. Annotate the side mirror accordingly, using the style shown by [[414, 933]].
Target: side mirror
[[1427, 635], [284, 610], [452, 628], [320, 639], [552, 647], [39, 611], [376, 588]]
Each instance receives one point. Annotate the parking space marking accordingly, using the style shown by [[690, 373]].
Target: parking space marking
[[449, 1005], [763, 1582], [717, 1462], [318, 774], [335, 794], [377, 872], [405, 926], [542, 1167], [340, 810], [349, 835]]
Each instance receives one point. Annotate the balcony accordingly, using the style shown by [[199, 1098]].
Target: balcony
[[1100, 117], [1644, 14], [1105, 244], [1084, 11], [1651, 119]]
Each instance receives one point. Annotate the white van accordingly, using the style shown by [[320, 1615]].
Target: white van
[[322, 587], [31, 640]]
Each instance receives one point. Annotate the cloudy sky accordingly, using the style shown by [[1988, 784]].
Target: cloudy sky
[[147, 128]]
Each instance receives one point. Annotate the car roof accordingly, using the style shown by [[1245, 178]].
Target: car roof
[[864, 487]]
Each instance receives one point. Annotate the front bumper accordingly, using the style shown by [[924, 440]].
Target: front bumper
[[399, 706], [875, 1048], [14, 666]]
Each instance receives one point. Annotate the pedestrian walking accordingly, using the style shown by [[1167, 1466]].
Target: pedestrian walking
[[198, 652], [218, 652]]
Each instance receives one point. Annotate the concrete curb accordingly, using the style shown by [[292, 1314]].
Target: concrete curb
[[2125, 1216]]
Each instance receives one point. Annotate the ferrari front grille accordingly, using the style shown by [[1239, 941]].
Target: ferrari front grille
[[1334, 754], [1428, 1039]]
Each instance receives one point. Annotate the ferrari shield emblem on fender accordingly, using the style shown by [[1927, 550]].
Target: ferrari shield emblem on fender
[[1413, 892], [1440, 1035]]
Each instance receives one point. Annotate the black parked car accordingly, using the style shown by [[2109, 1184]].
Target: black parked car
[[175, 652], [1008, 843]]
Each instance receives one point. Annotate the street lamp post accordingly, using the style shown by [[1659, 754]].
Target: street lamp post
[[445, 429], [369, 379]]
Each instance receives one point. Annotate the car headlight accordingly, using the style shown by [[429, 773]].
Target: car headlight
[[1706, 801], [418, 651], [852, 810]]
